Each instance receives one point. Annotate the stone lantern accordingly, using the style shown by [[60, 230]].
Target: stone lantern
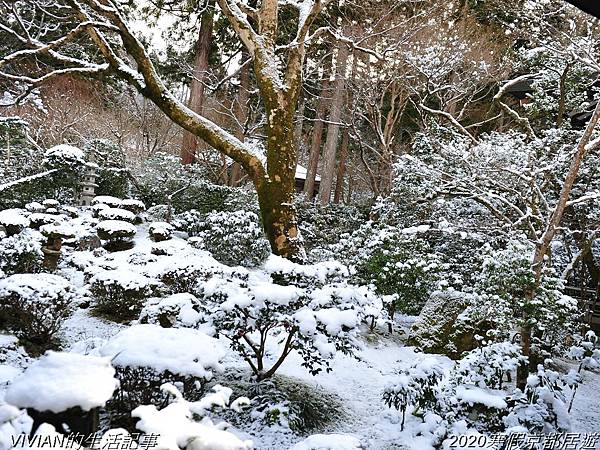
[[88, 185]]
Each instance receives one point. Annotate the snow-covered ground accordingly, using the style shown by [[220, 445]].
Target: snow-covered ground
[[358, 381]]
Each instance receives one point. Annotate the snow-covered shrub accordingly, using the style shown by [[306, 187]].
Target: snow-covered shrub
[[315, 322], [194, 428], [69, 163], [146, 356], [163, 180], [470, 396], [39, 219], [116, 214], [283, 403], [192, 222], [120, 294], [160, 231], [321, 226], [21, 253], [234, 238], [506, 281], [185, 274], [65, 156], [177, 310], [34, 306], [285, 272], [541, 408], [401, 266], [416, 386], [132, 205], [158, 213], [60, 381], [107, 200], [14, 221], [489, 365], [117, 233]]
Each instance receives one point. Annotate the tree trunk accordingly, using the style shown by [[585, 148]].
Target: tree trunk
[[545, 240], [189, 145], [333, 128], [341, 171], [317, 136], [276, 192]]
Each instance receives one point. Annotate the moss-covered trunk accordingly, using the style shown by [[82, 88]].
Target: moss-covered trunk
[[277, 190]]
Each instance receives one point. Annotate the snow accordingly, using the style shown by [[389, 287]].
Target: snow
[[181, 351], [35, 286], [116, 214], [66, 152], [175, 430], [59, 381], [113, 202], [302, 173], [335, 319], [116, 226], [13, 217], [329, 442], [472, 394]]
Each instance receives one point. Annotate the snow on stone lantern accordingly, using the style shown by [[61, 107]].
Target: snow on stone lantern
[[88, 185]]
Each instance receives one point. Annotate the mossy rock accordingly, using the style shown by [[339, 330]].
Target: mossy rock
[[440, 329]]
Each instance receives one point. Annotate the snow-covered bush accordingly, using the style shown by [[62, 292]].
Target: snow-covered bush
[[69, 163], [116, 214], [283, 403], [146, 356], [321, 226], [163, 180], [254, 315], [132, 205], [120, 294], [39, 219], [469, 395], [285, 272], [185, 424], [35, 305], [160, 231], [117, 233], [416, 386], [177, 310], [60, 381], [107, 200], [184, 274], [14, 221], [402, 266], [506, 281], [21, 253], [234, 238], [541, 408]]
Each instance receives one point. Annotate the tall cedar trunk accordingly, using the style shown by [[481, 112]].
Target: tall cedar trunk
[[317, 136], [341, 172], [543, 244], [189, 145], [333, 128], [241, 114]]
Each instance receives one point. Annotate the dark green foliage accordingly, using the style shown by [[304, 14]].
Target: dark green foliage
[[403, 268], [284, 401]]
